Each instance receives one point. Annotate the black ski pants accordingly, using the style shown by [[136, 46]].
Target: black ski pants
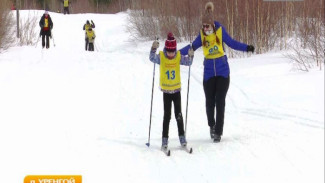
[[46, 34], [176, 99], [91, 47], [87, 42], [215, 90], [66, 10]]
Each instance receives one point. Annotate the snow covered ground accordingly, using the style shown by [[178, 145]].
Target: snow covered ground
[[71, 112]]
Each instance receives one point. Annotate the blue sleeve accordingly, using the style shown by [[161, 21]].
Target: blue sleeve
[[185, 60], [231, 42], [197, 43], [153, 57]]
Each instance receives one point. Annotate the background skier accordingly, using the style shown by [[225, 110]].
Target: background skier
[[91, 39], [46, 25], [66, 4], [86, 28]]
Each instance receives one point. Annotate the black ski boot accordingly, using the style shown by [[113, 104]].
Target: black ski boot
[[217, 138], [182, 140], [212, 132], [164, 144]]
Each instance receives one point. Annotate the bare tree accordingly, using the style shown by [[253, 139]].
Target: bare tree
[[267, 25], [27, 29], [7, 25], [309, 45]]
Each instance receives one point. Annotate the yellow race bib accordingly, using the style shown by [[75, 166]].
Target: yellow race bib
[[87, 27], [90, 34], [211, 48], [66, 3], [46, 22], [170, 78]]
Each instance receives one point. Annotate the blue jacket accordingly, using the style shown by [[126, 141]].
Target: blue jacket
[[218, 66]]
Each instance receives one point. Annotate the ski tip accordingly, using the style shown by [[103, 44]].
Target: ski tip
[[148, 144], [168, 153], [191, 150]]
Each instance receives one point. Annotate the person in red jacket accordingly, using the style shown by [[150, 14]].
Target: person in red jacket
[[13, 7], [46, 25]]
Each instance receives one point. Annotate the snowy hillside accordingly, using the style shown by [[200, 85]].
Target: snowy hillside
[[65, 111]]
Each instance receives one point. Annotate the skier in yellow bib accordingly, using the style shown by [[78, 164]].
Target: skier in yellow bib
[[46, 25], [216, 74], [170, 83], [66, 4], [86, 28], [91, 38]]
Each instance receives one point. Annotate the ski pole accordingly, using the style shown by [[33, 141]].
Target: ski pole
[[95, 46], [153, 83], [52, 38], [189, 68], [188, 91], [37, 41]]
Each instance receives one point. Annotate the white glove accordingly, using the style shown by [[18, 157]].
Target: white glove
[[155, 45], [191, 52]]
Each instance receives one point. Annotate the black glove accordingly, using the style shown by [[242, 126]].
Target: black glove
[[250, 48]]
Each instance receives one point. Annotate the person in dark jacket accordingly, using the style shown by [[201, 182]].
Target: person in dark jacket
[[86, 28], [216, 79], [46, 25]]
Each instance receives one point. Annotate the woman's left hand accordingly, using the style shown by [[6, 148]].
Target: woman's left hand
[[250, 48]]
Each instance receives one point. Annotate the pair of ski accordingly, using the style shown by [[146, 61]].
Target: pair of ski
[[185, 148]]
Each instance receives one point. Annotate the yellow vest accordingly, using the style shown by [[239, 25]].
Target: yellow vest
[[212, 49], [66, 3], [170, 78], [46, 22], [90, 35], [87, 27]]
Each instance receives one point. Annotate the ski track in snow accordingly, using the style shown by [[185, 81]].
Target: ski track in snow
[[95, 106]]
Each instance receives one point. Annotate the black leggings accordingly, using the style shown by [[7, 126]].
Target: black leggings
[[215, 90], [87, 42], [46, 34], [91, 47], [66, 10], [168, 99]]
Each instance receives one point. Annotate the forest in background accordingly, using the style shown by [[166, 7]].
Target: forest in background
[[268, 25]]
